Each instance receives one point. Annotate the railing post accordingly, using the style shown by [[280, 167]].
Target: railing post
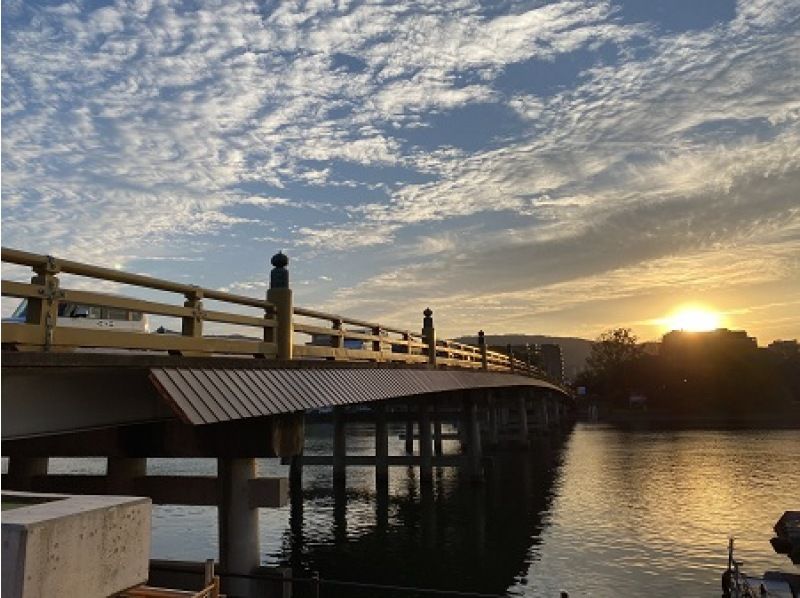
[[377, 345], [482, 345], [429, 335], [193, 325], [407, 339], [510, 357], [337, 336], [44, 311], [280, 295]]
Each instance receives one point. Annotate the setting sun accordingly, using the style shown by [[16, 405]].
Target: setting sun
[[693, 319]]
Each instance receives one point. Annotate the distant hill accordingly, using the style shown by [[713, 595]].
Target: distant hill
[[574, 350]]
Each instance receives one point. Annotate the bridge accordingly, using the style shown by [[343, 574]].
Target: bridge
[[73, 390]]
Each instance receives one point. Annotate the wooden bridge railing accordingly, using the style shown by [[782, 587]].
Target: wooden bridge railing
[[277, 322]]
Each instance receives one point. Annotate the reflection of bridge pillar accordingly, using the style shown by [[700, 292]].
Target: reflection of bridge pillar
[[381, 446], [382, 506], [296, 473], [121, 473], [474, 452], [428, 513], [522, 409], [339, 446], [22, 470], [296, 513], [238, 522], [340, 513], [426, 461]]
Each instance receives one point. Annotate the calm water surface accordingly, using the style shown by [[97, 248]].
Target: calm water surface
[[599, 512]]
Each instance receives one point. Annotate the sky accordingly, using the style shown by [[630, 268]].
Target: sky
[[518, 166]]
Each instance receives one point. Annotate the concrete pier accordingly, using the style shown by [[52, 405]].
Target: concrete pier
[[238, 522]]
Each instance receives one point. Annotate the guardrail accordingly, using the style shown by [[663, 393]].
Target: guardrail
[[278, 323]]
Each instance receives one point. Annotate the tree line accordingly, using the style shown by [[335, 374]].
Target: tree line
[[711, 380]]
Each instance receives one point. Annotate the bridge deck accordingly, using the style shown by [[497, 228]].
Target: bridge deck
[[52, 392]]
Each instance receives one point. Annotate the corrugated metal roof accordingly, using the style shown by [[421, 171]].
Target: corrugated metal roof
[[209, 395]]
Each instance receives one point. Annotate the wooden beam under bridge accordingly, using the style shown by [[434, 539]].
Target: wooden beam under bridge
[[164, 489]]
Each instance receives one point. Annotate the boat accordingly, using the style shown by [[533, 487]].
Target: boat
[[772, 584]]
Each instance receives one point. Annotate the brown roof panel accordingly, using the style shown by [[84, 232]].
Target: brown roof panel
[[211, 395]]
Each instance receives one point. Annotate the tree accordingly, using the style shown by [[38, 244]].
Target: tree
[[614, 349], [614, 356]]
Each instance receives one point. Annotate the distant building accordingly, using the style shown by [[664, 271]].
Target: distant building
[[681, 343], [785, 348], [552, 361]]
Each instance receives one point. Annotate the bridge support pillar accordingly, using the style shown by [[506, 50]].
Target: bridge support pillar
[[522, 409], [437, 432], [22, 470], [543, 415], [409, 436], [556, 411], [494, 432], [381, 446], [238, 522], [425, 447], [474, 452], [339, 446], [121, 473]]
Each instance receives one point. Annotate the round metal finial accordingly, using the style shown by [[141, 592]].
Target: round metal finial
[[427, 321], [280, 260], [279, 277], [481, 337]]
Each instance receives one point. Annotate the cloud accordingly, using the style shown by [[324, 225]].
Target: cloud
[[151, 130]]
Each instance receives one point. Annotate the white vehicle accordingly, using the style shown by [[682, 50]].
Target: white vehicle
[[74, 315]]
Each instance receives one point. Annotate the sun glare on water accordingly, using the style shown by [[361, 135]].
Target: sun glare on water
[[694, 319]]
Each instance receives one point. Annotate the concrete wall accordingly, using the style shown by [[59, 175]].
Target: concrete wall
[[88, 546]]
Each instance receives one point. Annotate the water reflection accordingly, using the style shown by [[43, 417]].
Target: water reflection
[[451, 534], [601, 512]]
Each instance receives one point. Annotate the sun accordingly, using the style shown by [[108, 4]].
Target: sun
[[694, 319]]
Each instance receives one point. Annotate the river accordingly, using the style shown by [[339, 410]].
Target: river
[[596, 512]]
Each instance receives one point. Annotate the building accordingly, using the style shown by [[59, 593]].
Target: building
[[785, 349], [682, 343]]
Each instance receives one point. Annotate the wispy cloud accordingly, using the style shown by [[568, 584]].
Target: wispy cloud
[[539, 149]]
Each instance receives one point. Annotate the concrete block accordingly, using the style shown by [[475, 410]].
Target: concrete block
[[88, 546]]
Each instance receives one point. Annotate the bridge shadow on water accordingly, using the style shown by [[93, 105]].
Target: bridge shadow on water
[[450, 535]]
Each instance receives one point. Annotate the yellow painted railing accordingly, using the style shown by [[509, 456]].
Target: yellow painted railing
[[277, 323]]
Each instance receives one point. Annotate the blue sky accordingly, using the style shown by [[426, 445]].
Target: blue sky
[[540, 167]]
